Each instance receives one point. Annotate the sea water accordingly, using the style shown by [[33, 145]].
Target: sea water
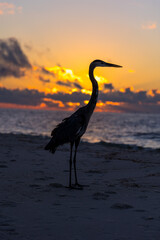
[[118, 128]]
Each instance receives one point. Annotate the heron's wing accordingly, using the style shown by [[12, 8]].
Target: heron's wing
[[69, 129]]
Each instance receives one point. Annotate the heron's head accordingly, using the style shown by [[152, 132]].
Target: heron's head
[[100, 63]]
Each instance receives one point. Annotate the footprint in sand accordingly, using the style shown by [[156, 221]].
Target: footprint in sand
[[100, 196], [121, 206]]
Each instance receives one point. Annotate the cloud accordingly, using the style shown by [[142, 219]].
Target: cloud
[[131, 97], [45, 71], [69, 84], [126, 101], [66, 97], [23, 97], [44, 80], [13, 62], [66, 84], [35, 97], [149, 26], [77, 85], [9, 9], [12, 59], [108, 86], [63, 74]]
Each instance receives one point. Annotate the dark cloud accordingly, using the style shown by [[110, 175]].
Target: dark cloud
[[66, 97], [8, 70], [45, 71], [51, 104], [34, 97], [108, 86], [23, 97], [66, 84], [77, 85], [44, 80], [129, 101], [69, 84], [130, 97], [12, 58]]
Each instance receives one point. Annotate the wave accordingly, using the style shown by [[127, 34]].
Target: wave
[[44, 138], [148, 135]]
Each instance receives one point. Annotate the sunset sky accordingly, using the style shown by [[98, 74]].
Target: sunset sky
[[46, 47]]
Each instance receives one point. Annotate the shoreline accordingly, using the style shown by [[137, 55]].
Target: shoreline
[[120, 201], [107, 144]]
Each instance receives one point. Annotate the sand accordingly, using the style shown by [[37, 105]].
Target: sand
[[121, 200]]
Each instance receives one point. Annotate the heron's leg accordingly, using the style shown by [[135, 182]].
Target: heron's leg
[[70, 165], [74, 160]]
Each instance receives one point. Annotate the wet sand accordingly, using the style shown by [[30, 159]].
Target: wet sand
[[121, 200]]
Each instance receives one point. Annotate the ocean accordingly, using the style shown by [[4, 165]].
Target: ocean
[[135, 129]]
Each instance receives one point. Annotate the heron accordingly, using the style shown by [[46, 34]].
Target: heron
[[72, 128]]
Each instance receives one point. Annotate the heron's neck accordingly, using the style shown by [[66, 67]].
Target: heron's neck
[[94, 96]]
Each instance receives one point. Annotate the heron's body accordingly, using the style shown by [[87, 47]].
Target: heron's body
[[71, 129]]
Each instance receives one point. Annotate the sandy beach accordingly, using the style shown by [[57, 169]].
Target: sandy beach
[[120, 202]]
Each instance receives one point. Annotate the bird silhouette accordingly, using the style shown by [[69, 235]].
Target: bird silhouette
[[71, 129]]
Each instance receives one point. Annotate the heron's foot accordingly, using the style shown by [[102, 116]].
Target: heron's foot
[[78, 186], [74, 187]]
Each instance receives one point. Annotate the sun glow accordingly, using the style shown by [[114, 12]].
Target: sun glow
[[131, 71], [86, 101], [74, 90], [100, 104], [101, 79], [71, 104], [104, 104], [86, 91], [54, 90], [62, 73], [112, 103]]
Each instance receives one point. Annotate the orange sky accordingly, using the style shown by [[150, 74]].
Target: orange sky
[[59, 40]]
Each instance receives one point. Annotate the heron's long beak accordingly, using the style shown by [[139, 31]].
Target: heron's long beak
[[112, 65]]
